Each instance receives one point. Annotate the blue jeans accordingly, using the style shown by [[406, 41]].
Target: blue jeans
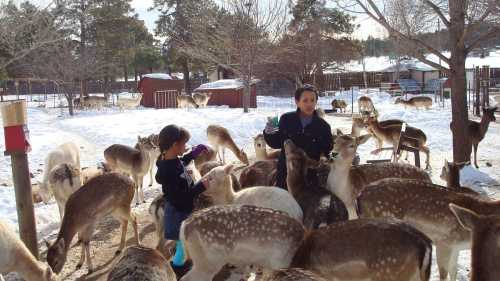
[[173, 220]]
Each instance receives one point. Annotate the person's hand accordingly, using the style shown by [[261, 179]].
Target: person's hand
[[270, 126], [198, 149]]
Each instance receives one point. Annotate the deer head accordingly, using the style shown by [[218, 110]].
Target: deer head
[[56, 255], [347, 146], [489, 113]]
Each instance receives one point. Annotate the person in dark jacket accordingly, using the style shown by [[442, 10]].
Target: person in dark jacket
[[305, 128], [177, 185]]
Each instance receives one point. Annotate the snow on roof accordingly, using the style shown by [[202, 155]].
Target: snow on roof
[[158, 76], [224, 84], [407, 65]]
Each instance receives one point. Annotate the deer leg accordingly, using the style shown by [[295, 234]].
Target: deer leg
[[136, 192], [90, 267], [427, 152], [141, 189], [151, 176], [447, 262], [475, 155], [82, 257]]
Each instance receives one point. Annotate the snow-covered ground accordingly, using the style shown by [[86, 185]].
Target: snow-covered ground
[[95, 130]]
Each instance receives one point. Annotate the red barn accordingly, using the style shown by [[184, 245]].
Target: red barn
[[228, 92], [159, 90]]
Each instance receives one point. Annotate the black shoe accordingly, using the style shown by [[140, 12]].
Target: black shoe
[[181, 270]]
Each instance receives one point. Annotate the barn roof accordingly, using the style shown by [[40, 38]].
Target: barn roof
[[163, 76], [224, 84]]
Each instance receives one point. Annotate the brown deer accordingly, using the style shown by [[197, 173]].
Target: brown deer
[[135, 162], [185, 101], [347, 181], [394, 135], [416, 102], [425, 207], [485, 248], [204, 157], [239, 235], [366, 249], [141, 263], [261, 152], [220, 139], [129, 102], [259, 173], [152, 145], [366, 107], [110, 193], [360, 123], [201, 99], [477, 130], [292, 274], [310, 196], [340, 104]]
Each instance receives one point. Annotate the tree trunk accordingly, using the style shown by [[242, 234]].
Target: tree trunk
[[246, 94], [125, 72], [460, 119], [185, 71], [83, 50], [135, 75]]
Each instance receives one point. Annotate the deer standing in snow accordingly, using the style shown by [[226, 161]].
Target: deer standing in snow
[[129, 102], [347, 181], [152, 145], [219, 138], [64, 180], [15, 257], [477, 130], [416, 102], [485, 248], [201, 99], [185, 101], [425, 207], [110, 193], [450, 173], [134, 162]]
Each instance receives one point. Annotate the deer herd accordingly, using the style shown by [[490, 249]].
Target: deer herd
[[374, 222]]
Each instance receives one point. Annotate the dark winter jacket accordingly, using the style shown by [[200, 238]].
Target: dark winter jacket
[[177, 185], [315, 139]]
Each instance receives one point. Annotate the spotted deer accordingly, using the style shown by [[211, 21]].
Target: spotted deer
[[366, 249], [184, 101], [450, 173], [110, 193], [347, 181], [239, 235], [135, 162], [477, 130], [219, 138], [310, 195], [142, 263], [416, 102], [201, 99], [394, 135], [261, 152], [485, 231], [425, 207]]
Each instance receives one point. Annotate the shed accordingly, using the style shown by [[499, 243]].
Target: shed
[[159, 90], [413, 69], [228, 92]]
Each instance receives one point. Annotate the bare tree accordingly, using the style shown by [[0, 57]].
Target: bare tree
[[239, 37], [468, 23]]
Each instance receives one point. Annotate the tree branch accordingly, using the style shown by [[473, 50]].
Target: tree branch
[[438, 11], [482, 37]]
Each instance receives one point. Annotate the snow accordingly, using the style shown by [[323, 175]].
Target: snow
[[223, 84], [93, 131], [163, 76]]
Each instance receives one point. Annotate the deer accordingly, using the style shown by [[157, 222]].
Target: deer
[[394, 135], [152, 145], [477, 130], [292, 274], [416, 102], [360, 123], [219, 138], [68, 153], [239, 235], [135, 162], [425, 207], [110, 193], [485, 248], [310, 196], [346, 251], [347, 181], [207, 155], [261, 152], [142, 263], [185, 101], [92, 172], [129, 102], [220, 191], [15, 257], [450, 173], [366, 107], [339, 104], [94, 102], [201, 99], [64, 180], [259, 173]]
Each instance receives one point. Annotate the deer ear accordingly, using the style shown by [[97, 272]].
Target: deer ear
[[466, 217], [339, 132], [228, 169]]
